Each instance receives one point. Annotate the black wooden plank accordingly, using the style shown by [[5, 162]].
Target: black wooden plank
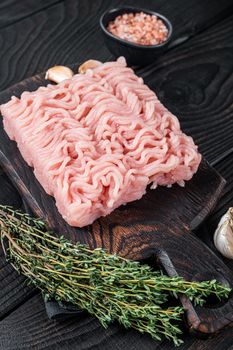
[[225, 167], [83, 333], [69, 32], [13, 289], [195, 82], [29, 328], [169, 70], [141, 227], [12, 11], [8, 194], [182, 204], [185, 57], [206, 232]]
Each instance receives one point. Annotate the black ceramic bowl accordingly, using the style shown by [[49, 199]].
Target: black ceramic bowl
[[134, 53]]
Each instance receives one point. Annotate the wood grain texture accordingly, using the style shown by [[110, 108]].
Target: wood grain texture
[[29, 328], [12, 11], [141, 228], [195, 82], [206, 233], [13, 289], [69, 32], [197, 198], [66, 33], [225, 166]]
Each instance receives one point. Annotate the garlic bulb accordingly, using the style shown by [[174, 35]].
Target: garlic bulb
[[90, 64], [223, 237], [59, 73]]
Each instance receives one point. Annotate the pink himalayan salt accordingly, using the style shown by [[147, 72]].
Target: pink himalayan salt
[[139, 28]]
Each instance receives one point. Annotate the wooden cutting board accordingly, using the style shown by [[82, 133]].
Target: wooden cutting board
[[160, 225]]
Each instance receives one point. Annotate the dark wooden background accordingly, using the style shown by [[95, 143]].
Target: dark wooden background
[[194, 79]]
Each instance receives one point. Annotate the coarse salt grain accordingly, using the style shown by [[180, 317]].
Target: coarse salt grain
[[139, 28]]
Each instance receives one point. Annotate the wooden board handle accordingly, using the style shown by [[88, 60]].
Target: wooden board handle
[[205, 265]]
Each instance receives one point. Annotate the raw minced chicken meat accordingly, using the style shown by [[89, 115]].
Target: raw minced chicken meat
[[97, 140]]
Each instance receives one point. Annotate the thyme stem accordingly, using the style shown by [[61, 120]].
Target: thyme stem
[[107, 286]]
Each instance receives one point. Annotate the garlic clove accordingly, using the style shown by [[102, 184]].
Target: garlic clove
[[90, 64], [59, 73], [223, 236]]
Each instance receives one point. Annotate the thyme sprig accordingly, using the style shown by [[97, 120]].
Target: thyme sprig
[[106, 285]]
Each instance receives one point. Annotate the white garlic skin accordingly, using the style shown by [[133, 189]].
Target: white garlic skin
[[90, 64], [59, 73], [223, 236]]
